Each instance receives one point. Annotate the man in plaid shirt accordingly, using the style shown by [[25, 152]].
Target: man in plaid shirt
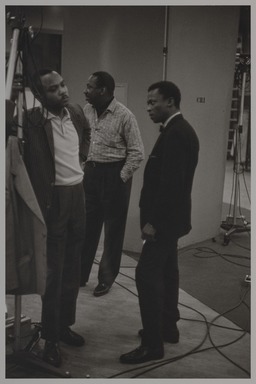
[[116, 151]]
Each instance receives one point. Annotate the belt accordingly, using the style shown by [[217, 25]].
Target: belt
[[96, 164]]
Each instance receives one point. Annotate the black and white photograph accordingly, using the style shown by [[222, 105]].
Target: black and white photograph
[[126, 177]]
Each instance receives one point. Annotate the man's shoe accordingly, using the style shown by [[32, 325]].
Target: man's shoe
[[101, 289], [170, 337], [52, 353], [71, 338], [141, 355]]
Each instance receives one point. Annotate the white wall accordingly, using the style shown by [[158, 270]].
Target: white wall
[[202, 45], [127, 41]]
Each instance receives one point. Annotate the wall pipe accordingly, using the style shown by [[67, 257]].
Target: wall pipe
[[165, 48]]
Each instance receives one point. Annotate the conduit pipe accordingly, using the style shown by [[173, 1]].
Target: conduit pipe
[[165, 48]]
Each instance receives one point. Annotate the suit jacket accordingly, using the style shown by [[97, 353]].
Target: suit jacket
[[39, 150], [165, 200]]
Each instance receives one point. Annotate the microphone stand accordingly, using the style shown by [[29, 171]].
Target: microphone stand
[[233, 223], [25, 355]]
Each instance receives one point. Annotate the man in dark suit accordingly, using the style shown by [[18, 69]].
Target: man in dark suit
[[165, 213], [56, 141]]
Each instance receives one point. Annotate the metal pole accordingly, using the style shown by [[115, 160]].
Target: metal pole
[[165, 49], [12, 64], [17, 323], [237, 154], [19, 101]]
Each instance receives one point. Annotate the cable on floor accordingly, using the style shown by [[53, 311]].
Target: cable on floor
[[212, 253], [156, 365]]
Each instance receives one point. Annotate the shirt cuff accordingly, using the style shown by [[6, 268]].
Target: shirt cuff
[[124, 176]]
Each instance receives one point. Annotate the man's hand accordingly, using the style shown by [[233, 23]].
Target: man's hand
[[148, 232]]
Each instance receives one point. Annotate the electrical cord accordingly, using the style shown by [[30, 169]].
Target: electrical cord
[[153, 366], [157, 365], [239, 245], [214, 253], [216, 325], [24, 54], [123, 274], [227, 344], [29, 54], [236, 173], [208, 324], [41, 25], [30, 346], [245, 184]]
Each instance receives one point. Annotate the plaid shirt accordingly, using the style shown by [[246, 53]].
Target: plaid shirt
[[115, 136]]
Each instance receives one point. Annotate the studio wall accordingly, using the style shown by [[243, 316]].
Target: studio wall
[[128, 42], [202, 46]]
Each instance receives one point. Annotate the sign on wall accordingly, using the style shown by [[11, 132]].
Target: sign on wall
[[121, 93]]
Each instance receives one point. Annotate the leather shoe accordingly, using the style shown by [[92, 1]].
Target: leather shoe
[[170, 337], [52, 353], [71, 338], [101, 289], [141, 355]]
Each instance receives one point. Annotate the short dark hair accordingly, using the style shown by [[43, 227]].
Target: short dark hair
[[36, 84], [104, 79], [167, 89]]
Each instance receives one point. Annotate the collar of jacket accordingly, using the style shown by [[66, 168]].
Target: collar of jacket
[[163, 128], [170, 118]]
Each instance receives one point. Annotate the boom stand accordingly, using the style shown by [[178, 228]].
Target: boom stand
[[233, 223], [23, 356]]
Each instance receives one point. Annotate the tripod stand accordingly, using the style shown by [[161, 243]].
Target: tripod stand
[[233, 222], [23, 356]]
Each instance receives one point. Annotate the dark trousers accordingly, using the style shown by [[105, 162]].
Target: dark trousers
[[107, 201], [65, 231], [157, 281]]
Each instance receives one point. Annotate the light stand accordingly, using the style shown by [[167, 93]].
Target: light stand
[[24, 356], [233, 223]]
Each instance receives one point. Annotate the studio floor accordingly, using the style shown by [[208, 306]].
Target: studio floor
[[211, 345]]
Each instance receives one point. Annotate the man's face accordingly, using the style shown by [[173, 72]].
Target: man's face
[[56, 92], [157, 106], [93, 92]]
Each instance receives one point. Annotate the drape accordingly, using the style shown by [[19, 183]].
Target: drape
[[26, 232]]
